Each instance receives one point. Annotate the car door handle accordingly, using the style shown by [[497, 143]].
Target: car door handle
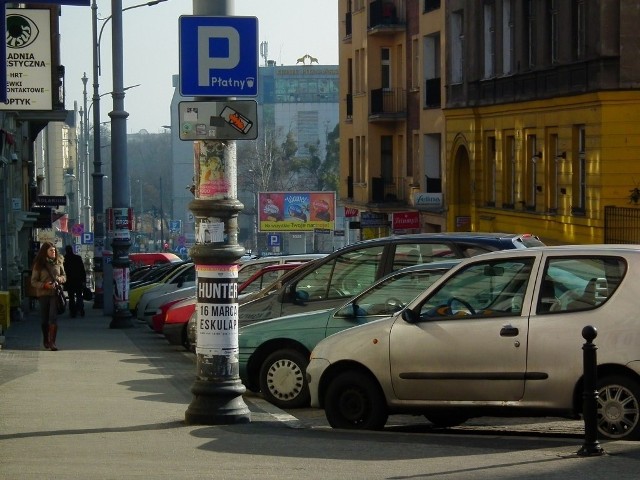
[[509, 331]]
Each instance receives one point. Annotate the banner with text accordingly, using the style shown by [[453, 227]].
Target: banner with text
[[296, 211]]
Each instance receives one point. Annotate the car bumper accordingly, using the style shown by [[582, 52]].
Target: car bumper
[[315, 369], [173, 332]]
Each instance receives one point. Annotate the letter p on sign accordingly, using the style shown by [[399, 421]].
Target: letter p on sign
[[212, 53]]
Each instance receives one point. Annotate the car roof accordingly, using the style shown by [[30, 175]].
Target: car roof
[[451, 236]]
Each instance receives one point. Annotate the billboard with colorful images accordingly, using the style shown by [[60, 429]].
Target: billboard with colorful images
[[296, 211]]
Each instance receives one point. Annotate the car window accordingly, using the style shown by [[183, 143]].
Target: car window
[[578, 283], [487, 289], [344, 276], [408, 254], [391, 295], [249, 269]]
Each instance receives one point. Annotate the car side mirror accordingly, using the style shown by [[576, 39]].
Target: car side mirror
[[410, 316], [301, 297]]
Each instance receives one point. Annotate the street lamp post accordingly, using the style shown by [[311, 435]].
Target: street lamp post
[[98, 189], [119, 167]]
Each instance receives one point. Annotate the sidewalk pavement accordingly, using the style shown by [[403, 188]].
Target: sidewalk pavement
[[111, 404]]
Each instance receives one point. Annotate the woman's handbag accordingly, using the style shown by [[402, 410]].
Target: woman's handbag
[[61, 300]]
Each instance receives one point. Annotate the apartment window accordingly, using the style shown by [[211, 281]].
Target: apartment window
[[457, 46], [489, 40], [360, 59], [361, 159], [508, 37], [386, 158], [431, 5], [532, 159], [385, 67], [509, 172], [553, 30], [553, 173], [431, 65], [490, 171], [432, 170], [579, 197], [580, 28], [531, 33]]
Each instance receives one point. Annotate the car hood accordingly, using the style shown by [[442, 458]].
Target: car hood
[[346, 344]]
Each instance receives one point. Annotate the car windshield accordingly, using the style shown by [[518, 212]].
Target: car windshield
[[393, 294], [486, 288]]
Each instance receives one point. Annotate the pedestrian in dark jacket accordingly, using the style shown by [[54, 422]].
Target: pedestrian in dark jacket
[[48, 271], [76, 281]]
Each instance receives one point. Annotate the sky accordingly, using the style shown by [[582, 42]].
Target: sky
[[292, 29]]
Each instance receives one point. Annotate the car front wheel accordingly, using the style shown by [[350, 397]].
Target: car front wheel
[[353, 400], [282, 379], [619, 408]]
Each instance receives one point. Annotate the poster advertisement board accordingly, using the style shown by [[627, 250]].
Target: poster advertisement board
[[296, 211]]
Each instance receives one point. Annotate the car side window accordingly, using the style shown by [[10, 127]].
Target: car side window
[[409, 254], [344, 276], [485, 289], [572, 284]]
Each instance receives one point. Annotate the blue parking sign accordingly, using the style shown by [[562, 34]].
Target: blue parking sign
[[218, 56]]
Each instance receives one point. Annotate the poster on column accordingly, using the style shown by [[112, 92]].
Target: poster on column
[[217, 309], [121, 288]]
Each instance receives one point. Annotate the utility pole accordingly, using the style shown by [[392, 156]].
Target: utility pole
[[120, 169], [217, 389], [98, 210]]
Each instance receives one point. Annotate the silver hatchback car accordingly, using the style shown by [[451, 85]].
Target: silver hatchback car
[[499, 334]]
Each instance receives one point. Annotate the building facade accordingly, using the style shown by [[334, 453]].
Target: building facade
[[494, 115]]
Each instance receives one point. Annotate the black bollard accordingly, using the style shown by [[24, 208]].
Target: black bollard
[[591, 445]]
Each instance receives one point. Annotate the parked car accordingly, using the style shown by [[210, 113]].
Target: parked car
[[175, 273], [251, 266], [174, 323], [274, 354], [145, 314], [330, 281], [498, 335], [148, 302], [267, 275]]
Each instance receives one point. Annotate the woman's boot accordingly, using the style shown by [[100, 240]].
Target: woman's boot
[[45, 336], [53, 331]]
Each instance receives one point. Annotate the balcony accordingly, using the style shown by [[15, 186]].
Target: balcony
[[388, 192], [388, 104], [387, 16]]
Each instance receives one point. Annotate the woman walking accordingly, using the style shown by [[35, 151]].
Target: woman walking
[[46, 273]]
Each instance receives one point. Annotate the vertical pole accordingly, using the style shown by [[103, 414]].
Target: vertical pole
[[161, 219], [119, 168], [591, 445], [98, 210], [86, 201], [217, 389]]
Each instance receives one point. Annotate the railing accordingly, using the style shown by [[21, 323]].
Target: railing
[[621, 225], [388, 190], [388, 101], [387, 13]]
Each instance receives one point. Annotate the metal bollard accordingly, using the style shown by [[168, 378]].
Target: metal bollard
[[591, 445]]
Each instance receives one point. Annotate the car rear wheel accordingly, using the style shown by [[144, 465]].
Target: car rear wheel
[[619, 408], [354, 401], [282, 379]]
